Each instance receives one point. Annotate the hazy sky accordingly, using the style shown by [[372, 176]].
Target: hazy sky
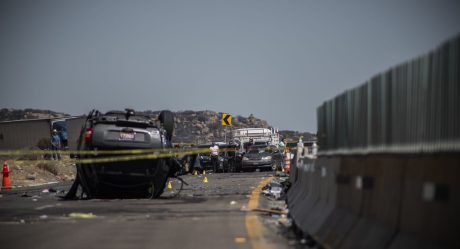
[[276, 59]]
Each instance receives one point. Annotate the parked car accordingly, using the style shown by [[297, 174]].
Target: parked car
[[261, 157], [115, 131]]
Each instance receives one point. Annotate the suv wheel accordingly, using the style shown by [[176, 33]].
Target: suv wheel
[[167, 119], [157, 187]]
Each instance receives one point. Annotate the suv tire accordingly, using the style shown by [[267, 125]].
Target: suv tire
[[159, 183], [167, 119]]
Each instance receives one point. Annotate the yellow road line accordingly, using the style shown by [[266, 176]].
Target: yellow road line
[[255, 228]]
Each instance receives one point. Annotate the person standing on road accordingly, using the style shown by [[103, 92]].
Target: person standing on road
[[64, 139], [282, 148], [282, 145], [214, 156], [248, 145], [55, 145]]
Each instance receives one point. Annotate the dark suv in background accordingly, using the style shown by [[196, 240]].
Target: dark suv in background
[[229, 159], [205, 158]]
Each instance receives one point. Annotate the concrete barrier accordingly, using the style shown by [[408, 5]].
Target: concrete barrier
[[348, 204], [309, 201], [393, 148], [328, 169], [381, 183], [431, 202], [294, 179], [378, 201], [300, 191]]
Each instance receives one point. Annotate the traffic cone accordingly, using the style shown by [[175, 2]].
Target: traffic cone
[[287, 162], [204, 172], [205, 180], [6, 183], [169, 185], [195, 173]]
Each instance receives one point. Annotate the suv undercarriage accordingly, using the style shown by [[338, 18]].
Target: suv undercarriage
[[124, 154]]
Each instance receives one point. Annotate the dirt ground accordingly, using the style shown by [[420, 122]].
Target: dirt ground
[[26, 173]]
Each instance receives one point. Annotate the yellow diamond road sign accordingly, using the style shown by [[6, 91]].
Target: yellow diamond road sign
[[226, 119]]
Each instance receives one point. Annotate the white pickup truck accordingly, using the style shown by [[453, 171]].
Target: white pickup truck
[[258, 135]]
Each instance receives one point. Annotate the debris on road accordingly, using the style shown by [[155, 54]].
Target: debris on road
[[274, 189], [281, 174], [31, 177], [197, 203], [270, 211], [44, 207], [82, 215], [240, 240], [49, 190], [285, 221]]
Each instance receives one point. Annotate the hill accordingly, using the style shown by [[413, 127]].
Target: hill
[[7, 114], [205, 126], [190, 126]]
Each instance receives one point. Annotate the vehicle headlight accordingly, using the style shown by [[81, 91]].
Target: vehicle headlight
[[267, 158], [245, 158]]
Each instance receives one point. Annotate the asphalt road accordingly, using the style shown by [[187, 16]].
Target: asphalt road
[[202, 215]]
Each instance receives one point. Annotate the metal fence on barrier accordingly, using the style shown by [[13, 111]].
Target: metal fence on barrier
[[413, 107]]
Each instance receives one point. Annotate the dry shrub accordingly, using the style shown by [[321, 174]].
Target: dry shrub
[[44, 144], [50, 167], [29, 155]]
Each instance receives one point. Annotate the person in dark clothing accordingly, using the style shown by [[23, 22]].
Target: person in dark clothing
[[55, 145], [248, 145], [64, 140]]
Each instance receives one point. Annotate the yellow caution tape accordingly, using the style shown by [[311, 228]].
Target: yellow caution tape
[[88, 152], [150, 156], [121, 155]]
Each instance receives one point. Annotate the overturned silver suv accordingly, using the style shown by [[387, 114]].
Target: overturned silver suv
[[115, 155]]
